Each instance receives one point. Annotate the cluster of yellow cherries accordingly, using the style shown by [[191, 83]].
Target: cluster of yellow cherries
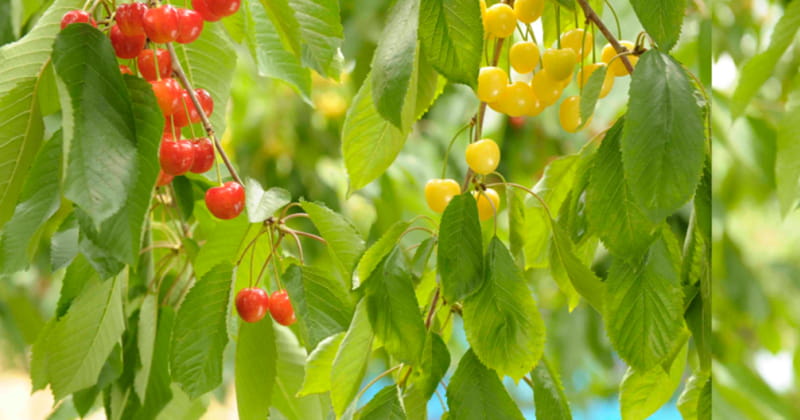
[[557, 66], [482, 156]]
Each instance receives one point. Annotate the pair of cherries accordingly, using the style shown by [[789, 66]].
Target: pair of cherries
[[252, 304], [176, 103], [136, 23]]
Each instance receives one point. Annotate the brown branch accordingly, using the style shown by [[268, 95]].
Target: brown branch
[[591, 16], [176, 67]]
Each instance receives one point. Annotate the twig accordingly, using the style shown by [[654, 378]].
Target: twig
[[176, 67], [375, 380], [432, 310], [592, 16]]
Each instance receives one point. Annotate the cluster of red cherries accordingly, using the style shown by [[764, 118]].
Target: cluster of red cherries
[[252, 303], [136, 23]]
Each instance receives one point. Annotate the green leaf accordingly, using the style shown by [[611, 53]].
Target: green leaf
[[787, 161], [582, 279], [643, 392], [272, 57], [434, 362], [322, 33], [370, 143], [78, 274], [39, 200], [146, 340], [644, 305], [429, 87], [475, 392], [393, 62], [290, 364], [344, 242], [377, 251], [548, 393], [569, 4], [159, 393], [97, 116], [64, 243], [283, 17], [761, 67], [322, 304], [184, 195], [690, 397], [222, 245], [385, 405], [263, 204], [255, 369], [501, 320], [451, 34], [120, 236], [611, 209], [393, 308], [704, 402], [351, 360], [663, 142], [516, 223], [22, 64], [591, 93], [80, 342], [319, 365], [201, 333], [460, 255], [662, 19]]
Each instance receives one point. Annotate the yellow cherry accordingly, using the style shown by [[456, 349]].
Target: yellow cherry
[[586, 72], [491, 83], [483, 156], [517, 99], [617, 67], [528, 11], [439, 192], [500, 20], [559, 63], [569, 114], [572, 39], [487, 209], [524, 56], [546, 88], [537, 107]]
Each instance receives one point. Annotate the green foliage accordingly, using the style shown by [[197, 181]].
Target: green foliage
[[263, 204], [344, 242], [350, 362], [319, 364], [662, 19], [460, 252], [384, 405], [255, 369], [591, 92], [475, 392], [451, 39], [548, 393], [644, 392]]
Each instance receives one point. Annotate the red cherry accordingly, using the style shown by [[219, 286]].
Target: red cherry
[[223, 7], [163, 178], [205, 101], [125, 69], [225, 201], [168, 93], [77, 16], [130, 18], [187, 106], [146, 61], [190, 25], [203, 155], [200, 6], [169, 128], [161, 24], [252, 304], [126, 46], [281, 308], [176, 157]]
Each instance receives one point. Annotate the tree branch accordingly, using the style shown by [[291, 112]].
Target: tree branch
[[176, 67], [591, 16]]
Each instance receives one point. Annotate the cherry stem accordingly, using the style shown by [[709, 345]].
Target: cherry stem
[[299, 246], [375, 380], [176, 67], [592, 16], [275, 260], [272, 252], [306, 234], [296, 215], [432, 310], [528, 381]]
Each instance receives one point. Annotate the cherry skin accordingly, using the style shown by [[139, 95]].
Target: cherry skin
[[77, 16], [615, 65], [586, 72], [170, 128], [546, 89], [281, 308], [126, 46], [125, 69], [203, 155], [559, 63], [569, 114], [181, 117], [168, 94], [200, 6], [176, 157], [190, 25], [206, 102], [486, 209], [161, 24], [500, 20], [163, 178], [491, 83], [572, 39], [130, 18], [226, 201], [527, 11], [524, 56], [223, 8], [517, 99], [439, 192], [146, 62], [252, 304], [483, 156]]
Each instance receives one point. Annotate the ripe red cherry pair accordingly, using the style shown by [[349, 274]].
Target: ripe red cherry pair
[[161, 24], [180, 156], [252, 305], [175, 101], [214, 10]]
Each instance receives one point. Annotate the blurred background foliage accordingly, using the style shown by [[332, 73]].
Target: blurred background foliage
[[281, 140]]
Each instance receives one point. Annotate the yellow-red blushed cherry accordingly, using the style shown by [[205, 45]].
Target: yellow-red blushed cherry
[[146, 62], [168, 95], [281, 308], [491, 83], [161, 24], [226, 201], [126, 46], [546, 89], [615, 65], [586, 72], [524, 56], [439, 192], [573, 39], [176, 157], [200, 6], [223, 8], [483, 156], [163, 178], [517, 99], [190, 25], [486, 208], [527, 11], [203, 155], [130, 18], [252, 304], [76, 16], [559, 63], [500, 20]]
